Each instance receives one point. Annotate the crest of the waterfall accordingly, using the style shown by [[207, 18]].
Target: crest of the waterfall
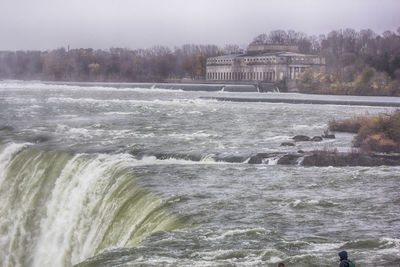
[[59, 209]]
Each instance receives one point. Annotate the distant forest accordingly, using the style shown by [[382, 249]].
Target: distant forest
[[154, 64], [349, 53]]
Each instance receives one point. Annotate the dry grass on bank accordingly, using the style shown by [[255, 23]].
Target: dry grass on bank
[[380, 133]]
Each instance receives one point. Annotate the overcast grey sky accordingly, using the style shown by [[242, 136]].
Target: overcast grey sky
[[49, 24]]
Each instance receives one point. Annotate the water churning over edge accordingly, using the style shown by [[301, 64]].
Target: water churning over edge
[[59, 209]]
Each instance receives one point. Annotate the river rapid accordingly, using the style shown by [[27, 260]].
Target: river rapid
[[105, 176]]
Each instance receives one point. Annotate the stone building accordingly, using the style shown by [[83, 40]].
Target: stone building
[[263, 63]]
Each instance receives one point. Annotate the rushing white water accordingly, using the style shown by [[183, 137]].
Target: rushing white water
[[59, 209], [92, 175]]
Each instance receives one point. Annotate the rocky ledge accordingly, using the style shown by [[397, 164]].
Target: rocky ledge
[[326, 158]]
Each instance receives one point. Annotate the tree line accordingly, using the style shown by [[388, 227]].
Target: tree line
[[154, 64], [346, 51], [358, 62]]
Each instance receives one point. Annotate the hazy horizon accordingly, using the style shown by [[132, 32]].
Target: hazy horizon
[[51, 24]]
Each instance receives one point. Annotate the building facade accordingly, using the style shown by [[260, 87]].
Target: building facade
[[262, 63]]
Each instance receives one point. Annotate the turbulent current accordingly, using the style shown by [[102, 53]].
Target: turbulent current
[[105, 176]]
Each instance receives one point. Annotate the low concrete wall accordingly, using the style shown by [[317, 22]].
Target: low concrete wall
[[308, 101], [228, 87]]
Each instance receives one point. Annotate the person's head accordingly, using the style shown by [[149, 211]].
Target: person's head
[[281, 264], [343, 255]]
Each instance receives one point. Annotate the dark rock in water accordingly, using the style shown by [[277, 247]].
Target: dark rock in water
[[287, 144], [328, 158], [316, 139], [137, 152], [337, 159], [329, 136], [260, 157], [231, 159], [6, 128], [300, 151], [255, 160], [196, 157], [39, 138], [299, 138], [167, 155], [289, 159]]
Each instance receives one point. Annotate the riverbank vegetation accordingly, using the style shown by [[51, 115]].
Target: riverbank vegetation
[[155, 64], [378, 133], [358, 63], [369, 82]]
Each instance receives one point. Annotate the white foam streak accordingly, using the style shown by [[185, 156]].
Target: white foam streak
[[172, 102], [272, 161], [7, 86], [7, 152], [77, 192]]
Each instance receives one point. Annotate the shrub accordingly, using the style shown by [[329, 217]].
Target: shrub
[[379, 142], [368, 82], [351, 125], [379, 133]]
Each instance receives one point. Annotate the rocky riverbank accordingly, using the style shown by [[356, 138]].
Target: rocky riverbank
[[326, 158], [376, 142]]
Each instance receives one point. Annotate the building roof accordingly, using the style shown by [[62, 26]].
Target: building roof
[[227, 56], [262, 54], [272, 53], [272, 47]]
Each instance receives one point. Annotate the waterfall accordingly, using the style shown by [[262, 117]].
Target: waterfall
[[57, 209]]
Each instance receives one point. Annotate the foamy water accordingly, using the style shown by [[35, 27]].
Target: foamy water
[[107, 176]]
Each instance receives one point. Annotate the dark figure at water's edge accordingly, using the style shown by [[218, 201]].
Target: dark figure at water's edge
[[281, 264], [344, 262]]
